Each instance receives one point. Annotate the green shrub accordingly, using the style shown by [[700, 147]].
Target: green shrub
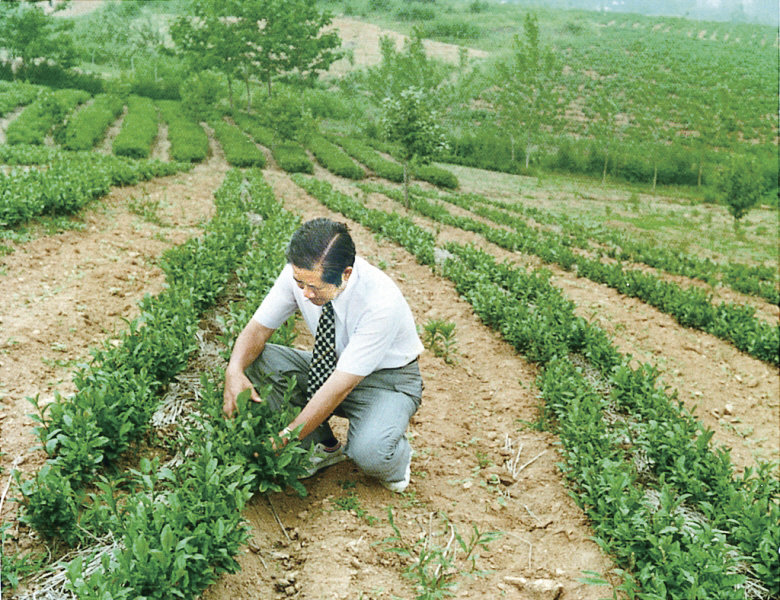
[[14, 95], [42, 115], [88, 126], [265, 136], [239, 150], [436, 175], [201, 92], [334, 159], [292, 158], [139, 129], [189, 143], [363, 153]]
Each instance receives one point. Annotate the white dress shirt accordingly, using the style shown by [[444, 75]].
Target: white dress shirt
[[374, 325]]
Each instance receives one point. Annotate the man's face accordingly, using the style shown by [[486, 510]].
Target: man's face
[[314, 288]]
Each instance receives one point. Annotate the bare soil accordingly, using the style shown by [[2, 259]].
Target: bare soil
[[67, 292]]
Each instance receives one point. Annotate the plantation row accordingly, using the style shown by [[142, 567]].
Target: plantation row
[[691, 307], [176, 528], [662, 503], [752, 280], [69, 181], [53, 111]]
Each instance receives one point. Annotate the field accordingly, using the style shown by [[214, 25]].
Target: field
[[488, 456]]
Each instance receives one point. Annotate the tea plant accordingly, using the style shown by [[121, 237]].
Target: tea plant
[[139, 129], [659, 550]]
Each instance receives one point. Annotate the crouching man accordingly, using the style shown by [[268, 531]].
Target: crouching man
[[363, 366]]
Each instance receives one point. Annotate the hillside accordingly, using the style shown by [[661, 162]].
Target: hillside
[[490, 455]]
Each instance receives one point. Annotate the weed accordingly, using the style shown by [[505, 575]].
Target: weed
[[434, 568], [351, 503], [146, 208], [483, 460], [439, 337]]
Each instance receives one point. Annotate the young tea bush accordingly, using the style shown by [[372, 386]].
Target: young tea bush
[[334, 159], [88, 126], [292, 158], [239, 150], [189, 143], [139, 129], [41, 116]]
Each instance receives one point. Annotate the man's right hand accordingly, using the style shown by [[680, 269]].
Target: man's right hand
[[235, 383]]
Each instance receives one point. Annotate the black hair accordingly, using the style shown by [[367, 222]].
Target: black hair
[[322, 242]]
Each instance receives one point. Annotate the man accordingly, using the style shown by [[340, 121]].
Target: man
[[368, 373]]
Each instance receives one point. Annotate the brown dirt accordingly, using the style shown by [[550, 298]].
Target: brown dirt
[[66, 292], [361, 41]]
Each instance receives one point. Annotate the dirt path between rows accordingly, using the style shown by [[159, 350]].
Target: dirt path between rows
[[65, 293], [459, 435], [727, 390]]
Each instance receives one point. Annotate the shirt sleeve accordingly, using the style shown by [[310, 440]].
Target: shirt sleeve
[[279, 303], [369, 342]]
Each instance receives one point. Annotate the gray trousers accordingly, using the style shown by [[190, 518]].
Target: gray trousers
[[378, 409]]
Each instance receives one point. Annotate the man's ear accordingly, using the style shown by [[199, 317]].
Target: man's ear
[[345, 275]]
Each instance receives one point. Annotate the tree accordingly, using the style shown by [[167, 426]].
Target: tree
[[408, 67], [27, 33], [525, 99], [265, 39], [209, 39], [740, 187], [284, 38], [408, 120]]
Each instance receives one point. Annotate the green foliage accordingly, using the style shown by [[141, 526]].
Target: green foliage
[[189, 143], [70, 182], [740, 186], [201, 92], [139, 129], [363, 153], [239, 150], [436, 175], [292, 158], [439, 337], [88, 126], [265, 136], [226, 36], [15, 95], [334, 159], [48, 110], [409, 121], [26, 32], [407, 68]]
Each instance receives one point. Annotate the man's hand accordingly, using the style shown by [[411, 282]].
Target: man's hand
[[249, 345], [235, 383]]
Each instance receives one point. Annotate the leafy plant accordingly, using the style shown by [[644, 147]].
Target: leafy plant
[[434, 568], [439, 337]]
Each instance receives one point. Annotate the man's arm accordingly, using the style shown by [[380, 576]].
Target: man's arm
[[249, 344], [325, 400]]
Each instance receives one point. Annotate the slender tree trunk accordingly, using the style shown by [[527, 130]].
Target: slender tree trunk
[[230, 93], [248, 94], [655, 175], [406, 184], [604, 172], [268, 79], [512, 147]]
